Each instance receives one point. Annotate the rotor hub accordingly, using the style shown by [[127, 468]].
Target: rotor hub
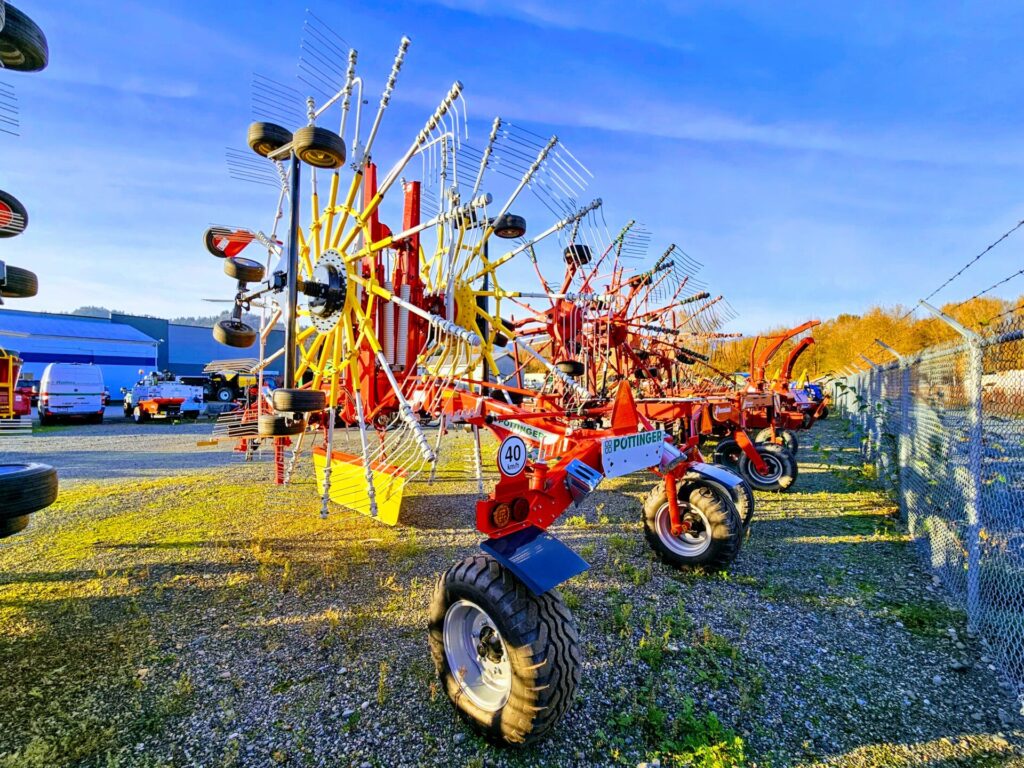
[[326, 291]]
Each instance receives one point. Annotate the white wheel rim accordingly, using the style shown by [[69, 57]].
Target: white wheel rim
[[774, 469], [692, 543], [486, 679]]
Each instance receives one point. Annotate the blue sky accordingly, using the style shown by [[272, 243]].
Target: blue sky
[[816, 157]]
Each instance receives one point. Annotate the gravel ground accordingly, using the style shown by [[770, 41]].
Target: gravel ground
[[175, 609]]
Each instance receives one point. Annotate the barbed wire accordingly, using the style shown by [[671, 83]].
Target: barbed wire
[[855, 360], [974, 261], [1009, 311]]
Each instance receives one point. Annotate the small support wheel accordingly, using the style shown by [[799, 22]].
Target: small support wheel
[[234, 333], [319, 147], [277, 425], [713, 529], [139, 416], [577, 253], [787, 437], [781, 468], [508, 226], [243, 270], [508, 659], [20, 284], [299, 400], [572, 368], [727, 453], [266, 138], [23, 45]]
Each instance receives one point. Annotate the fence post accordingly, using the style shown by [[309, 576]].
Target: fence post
[[903, 429], [874, 388], [972, 384]]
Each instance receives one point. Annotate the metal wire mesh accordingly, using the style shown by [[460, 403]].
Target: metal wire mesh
[[945, 431]]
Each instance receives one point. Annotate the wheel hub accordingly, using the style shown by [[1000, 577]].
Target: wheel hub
[[326, 291], [490, 648]]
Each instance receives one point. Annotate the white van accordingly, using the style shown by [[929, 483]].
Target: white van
[[71, 390]]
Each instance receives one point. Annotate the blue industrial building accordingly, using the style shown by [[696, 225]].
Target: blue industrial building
[[121, 344]]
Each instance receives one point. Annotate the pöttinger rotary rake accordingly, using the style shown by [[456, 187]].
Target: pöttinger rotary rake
[[389, 329]]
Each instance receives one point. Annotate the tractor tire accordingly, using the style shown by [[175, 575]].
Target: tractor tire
[[234, 333], [265, 138], [509, 226], [789, 439], [20, 284], [319, 147], [299, 400], [482, 615], [742, 496], [11, 525], [13, 215], [225, 394], [23, 45], [578, 254], [715, 538], [243, 270], [572, 368], [139, 416], [276, 425], [26, 488], [727, 453], [782, 469]]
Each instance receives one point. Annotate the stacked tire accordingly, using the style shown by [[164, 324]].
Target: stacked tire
[[24, 488]]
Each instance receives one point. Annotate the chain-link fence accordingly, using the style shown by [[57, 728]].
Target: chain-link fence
[[945, 431]]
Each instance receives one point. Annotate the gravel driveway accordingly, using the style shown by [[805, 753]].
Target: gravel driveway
[[175, 609]]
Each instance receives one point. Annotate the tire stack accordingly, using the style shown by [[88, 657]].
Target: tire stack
[[24, 488]]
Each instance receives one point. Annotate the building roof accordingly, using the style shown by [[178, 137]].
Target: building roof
[[39, 324]]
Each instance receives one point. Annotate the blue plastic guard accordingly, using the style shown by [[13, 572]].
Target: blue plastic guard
[[536, 557]]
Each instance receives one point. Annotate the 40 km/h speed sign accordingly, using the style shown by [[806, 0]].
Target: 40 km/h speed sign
[[512, 456]]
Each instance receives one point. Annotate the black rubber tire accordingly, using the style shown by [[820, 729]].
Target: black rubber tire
[[265, 138], [20, 284], [572, 368], [11, 525], [276, 425], [742, 495], [13, 215], [23, 45], [243, 270], [319, 147], [823, 414], [508, 226], [789, 439], [26, 488], [139, 416], [541, 640], [234, 333], [208, 240], [299, 400], [46, 421], [224, 394], [721, 514], [576, 253], [727, 453], [782, 468]]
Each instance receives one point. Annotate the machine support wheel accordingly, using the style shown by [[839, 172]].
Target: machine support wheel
[[26, 488], [234, 333], [139, 416], [243, 270], [781, 466], [23, 45], [742, 496], [714, 529], [727, 453], [509, 660], [319, 147], [299, 400], [276, 425], [20, 284], [265, 138], [787, 436], [13, 216]]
